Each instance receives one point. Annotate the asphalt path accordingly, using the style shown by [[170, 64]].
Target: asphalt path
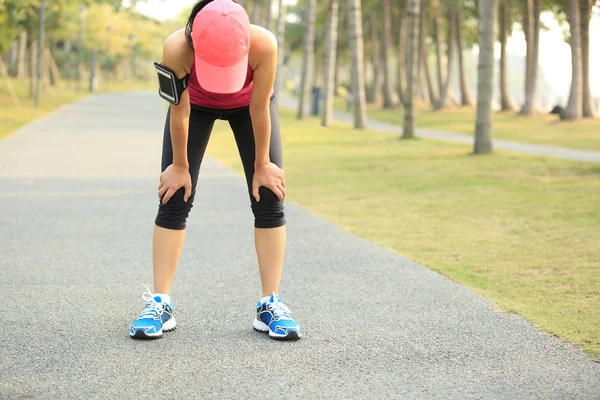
[[77, 206]]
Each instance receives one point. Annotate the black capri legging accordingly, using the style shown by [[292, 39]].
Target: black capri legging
[[268, 213]]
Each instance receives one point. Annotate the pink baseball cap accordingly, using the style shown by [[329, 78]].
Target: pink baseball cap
[[221, 37]]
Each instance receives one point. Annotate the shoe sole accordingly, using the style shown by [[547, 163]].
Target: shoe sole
[[167, 327], [261, 327]]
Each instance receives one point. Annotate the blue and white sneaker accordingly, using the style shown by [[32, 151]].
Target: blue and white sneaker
[[156, 318], [273, 317]]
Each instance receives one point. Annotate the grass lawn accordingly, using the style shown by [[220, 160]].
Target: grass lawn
[[542, 129], [13, 117], [521, 230]]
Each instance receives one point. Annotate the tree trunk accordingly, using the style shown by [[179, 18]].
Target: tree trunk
[[374, 93], [424, 33], [280, 78], [574, 109], [528, 32], [307, 62], [389, 97], [267, 14], [255, 12], [330, 62], [33, 65], [533, 46], [506, 102], [410, 124], [485, 75], [21, 57], [445, 89], [402, 52], [464, 86], [589, 110], [355, 37], [12, 57], [437, 39]]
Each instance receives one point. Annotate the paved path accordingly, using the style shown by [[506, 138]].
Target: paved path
[[499, 144], [77, 196]]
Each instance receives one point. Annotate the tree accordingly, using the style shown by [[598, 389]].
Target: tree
[[281, 16], [388, 91], [585, 16], [330, 61], [532, 35], [574, 110], [307, 61], [410, 125], [485, 74], [355, 37], [402, 50], [445, 84], [464, 86], [374, 92], [423, 34], [506, 102]]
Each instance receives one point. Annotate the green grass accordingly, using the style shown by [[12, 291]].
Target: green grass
[[13, 117], [542, 129], [520, 230]]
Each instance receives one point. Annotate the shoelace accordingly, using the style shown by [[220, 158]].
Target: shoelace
[[153, 309], [279, 310]]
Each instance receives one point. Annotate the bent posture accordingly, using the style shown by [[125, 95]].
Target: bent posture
[[219, 67]]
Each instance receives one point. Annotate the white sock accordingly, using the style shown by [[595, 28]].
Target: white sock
[[164, 298], [266, 299]]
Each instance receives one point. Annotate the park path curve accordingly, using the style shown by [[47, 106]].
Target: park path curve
[[499, 144], [77, 203]]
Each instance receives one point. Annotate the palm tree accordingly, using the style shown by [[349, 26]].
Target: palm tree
[[412, 47], [445, 85], [532, 35], [464, 86], [355, 38], [506, 102], [402, 50], [588, 105], [574, 110], [388, 91], [485, 74], [281, 47], [307, 61], [374, 92], [330, 61]]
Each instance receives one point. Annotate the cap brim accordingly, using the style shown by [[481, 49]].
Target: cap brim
[[217, 79]]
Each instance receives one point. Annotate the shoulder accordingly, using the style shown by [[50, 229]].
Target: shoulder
[[177, 53], [262, 42]]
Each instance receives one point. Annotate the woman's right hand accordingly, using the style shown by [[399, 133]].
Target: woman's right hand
[[173, 179]]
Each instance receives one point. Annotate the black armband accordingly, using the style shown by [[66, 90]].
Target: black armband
[[170, 87]]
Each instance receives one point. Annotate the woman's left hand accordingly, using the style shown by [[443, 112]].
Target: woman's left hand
[[270, 176]]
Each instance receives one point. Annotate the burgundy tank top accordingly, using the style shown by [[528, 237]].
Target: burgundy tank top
[[202, 98]]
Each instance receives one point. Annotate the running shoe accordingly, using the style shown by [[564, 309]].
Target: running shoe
[[156, 318], [273, 317]]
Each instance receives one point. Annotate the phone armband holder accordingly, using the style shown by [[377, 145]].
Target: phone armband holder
[[170, 87]]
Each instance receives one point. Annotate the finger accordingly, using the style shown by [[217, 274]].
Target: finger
[[277, 192], [168, 196], [160, 185], [255, 192], [162, 191], [282, 190], [188, 192]]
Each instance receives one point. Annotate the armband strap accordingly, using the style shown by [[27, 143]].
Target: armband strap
[[170, 87]]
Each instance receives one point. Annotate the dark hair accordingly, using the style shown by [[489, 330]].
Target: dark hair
[[190, 21]]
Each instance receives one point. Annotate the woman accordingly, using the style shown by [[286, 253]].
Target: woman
[[219, 67]]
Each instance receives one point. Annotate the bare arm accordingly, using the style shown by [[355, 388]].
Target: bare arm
[[176, 176], [264, 77], [180, 113], [266, 173]]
